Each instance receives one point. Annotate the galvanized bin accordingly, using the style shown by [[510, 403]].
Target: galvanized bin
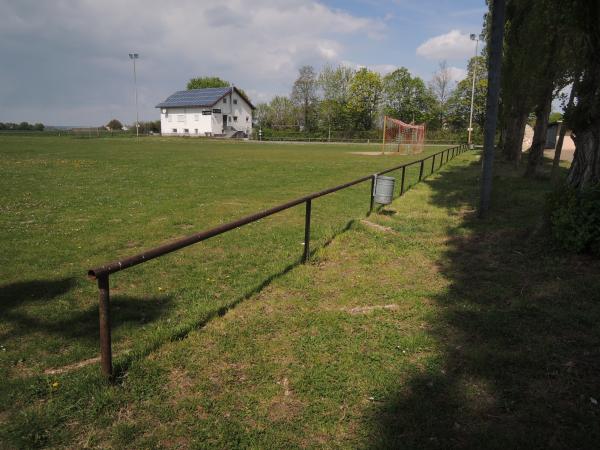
[[384, 189]]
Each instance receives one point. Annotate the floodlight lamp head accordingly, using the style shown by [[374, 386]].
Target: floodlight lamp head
[[134, 56]]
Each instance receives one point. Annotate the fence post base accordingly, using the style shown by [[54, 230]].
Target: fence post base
[[306, 255], [104, 317]]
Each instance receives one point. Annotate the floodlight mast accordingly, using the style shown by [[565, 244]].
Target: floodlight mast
[[133, 57], [476, 39]]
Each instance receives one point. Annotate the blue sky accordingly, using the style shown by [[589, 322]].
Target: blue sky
[[65, 62]]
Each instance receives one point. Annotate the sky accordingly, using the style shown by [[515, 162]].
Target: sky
[[65, 62]]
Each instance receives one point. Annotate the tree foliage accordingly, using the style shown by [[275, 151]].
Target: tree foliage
[[365, 96], [114, 124], [441, 86], [304, 96], [207, 82], [459, 102], [406, 97]]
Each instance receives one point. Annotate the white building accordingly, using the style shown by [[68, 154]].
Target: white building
[[206, 112]]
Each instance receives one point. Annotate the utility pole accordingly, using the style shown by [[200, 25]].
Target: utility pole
[[476, 39], [491, 110], [133, 57]]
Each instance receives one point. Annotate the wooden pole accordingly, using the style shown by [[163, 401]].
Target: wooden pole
[[491, 113]]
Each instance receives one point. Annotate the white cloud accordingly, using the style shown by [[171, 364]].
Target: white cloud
[[382, 69], [457, 74], [452, 45], [59, 49]]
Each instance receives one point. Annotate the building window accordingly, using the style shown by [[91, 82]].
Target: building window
[[235, 118], [174, 130], [217, 111], [180, 117], [235, 101], [196, 130], [247, 118], [196, 117], [225, 100]]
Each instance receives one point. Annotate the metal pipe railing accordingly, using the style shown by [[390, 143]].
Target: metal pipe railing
[[101, 274]]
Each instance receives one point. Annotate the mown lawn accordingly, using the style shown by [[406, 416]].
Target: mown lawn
[[70, 204], [419, 327]]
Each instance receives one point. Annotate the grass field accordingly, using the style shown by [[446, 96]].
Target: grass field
[[70, 204], [423, 327]]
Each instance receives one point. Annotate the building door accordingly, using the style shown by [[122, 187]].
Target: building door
[[224, 122]]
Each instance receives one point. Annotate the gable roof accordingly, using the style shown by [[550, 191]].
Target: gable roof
[[199, 97]]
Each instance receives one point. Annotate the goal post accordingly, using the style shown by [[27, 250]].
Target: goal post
[[402, 137]]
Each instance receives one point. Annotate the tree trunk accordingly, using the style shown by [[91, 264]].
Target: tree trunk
[[585, 169], [561, 138], [513, 139], [536, 152]]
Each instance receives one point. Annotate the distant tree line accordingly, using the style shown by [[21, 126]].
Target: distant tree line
[[145, 127], [354, 101], [23, 126]]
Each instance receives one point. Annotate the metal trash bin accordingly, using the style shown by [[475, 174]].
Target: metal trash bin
[[383, 192]]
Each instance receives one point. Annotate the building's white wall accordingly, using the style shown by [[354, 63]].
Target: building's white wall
[[193, 119]]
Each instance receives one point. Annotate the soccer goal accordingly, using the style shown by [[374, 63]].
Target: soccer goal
[[402, 137]]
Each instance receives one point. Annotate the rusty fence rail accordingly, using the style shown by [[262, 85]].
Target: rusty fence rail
[[101, 274]]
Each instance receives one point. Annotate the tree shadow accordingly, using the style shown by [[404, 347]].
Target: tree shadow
[[122, 365], [517, 328], [16, 294], [80, 325]]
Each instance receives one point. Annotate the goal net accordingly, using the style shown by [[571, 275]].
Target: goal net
[[402, 137]]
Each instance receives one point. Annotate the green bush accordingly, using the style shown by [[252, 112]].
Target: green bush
[[575, 219]]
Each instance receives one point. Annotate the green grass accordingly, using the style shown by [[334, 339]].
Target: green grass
[[70, 204], [434, 330]]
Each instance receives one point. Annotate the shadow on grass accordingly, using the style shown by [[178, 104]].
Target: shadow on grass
[[518, 330], [181, 332], [16, 294], [82, 325]]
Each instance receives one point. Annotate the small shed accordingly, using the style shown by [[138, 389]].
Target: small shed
[[552, 133]]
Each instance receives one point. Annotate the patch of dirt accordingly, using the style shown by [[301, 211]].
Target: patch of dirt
[[284, 407], [71, 367], [376, 226], [180, 384], [368, 309], [378, 153]]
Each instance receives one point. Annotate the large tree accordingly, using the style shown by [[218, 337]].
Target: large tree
[[279, 113], [441, 86], [365, 96], [584, 115], [334, 84], [520, 62], [305, 95], [459, 103], [406, 97]]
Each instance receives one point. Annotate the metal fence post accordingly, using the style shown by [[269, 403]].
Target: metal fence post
[[402, 182], [421, 169], [104, 320], [433, 164], [373, 177], [306, 255]]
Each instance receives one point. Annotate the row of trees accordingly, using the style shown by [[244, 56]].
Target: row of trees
[[550, 45], [145, 127], [342, 98], [23, 126]]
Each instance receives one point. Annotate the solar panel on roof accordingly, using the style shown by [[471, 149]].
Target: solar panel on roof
[[195, 97]]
